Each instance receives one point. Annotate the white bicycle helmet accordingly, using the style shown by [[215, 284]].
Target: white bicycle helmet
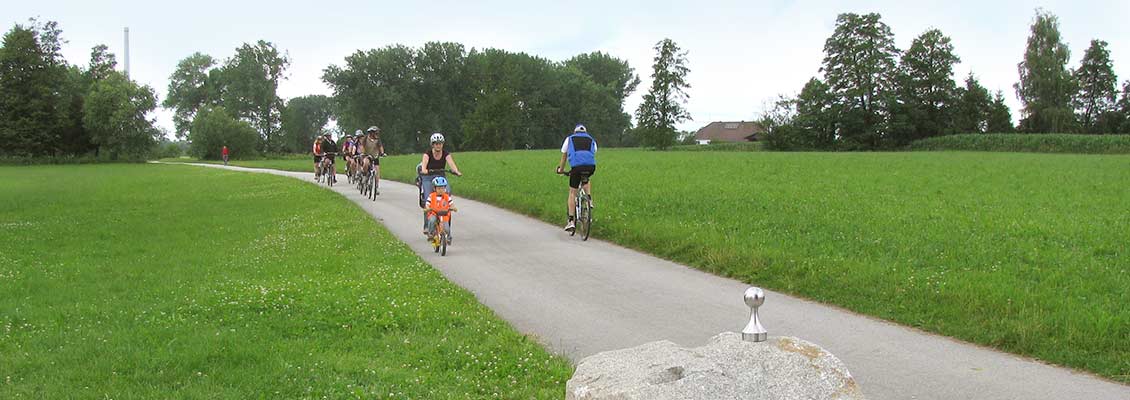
[[358, 133], [373, 128], [580, 129], [437, 137]]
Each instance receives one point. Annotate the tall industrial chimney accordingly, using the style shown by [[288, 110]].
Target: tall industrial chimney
[[127, 52]]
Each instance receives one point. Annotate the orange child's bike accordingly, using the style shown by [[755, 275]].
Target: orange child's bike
[[441, 237]]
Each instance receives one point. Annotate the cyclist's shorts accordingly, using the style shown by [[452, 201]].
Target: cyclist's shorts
[[317, 159], [578, 172]]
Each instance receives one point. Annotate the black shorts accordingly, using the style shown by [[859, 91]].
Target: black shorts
[[578, 172], [317, 159]]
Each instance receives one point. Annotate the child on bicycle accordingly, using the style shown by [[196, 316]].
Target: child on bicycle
[[437, 202], [580, 150]]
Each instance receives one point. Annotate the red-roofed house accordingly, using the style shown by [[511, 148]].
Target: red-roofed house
[[740, 131]]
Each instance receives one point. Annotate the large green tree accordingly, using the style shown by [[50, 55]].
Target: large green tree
[[926, 87], [1122, 117], [662, 106], [444, 94], [971, 114], [495, 122], [303, 118], [115, 113], [616, 79], [1046, 85], [1000, 117], [250, 89], [102, 62], [1098, 89], [377, 87], [193, 85], [859, 68], [33, 101]]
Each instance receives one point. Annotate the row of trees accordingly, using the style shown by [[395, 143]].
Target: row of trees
[[487, 99], [873, 95], [49, 108], [482, 100]]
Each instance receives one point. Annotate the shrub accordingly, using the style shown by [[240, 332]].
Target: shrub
[[1031, 143], [213, 128]]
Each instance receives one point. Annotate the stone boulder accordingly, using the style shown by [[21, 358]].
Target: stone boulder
[[725, 368]]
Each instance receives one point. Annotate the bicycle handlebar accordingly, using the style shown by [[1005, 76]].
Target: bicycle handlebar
[[439, 171]]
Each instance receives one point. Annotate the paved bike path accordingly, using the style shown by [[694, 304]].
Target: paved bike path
[[581, 298]]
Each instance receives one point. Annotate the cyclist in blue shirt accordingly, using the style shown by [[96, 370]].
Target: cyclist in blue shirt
[[579, 150]]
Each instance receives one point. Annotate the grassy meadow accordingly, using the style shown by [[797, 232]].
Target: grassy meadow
[[157, 281], [1027, 253]]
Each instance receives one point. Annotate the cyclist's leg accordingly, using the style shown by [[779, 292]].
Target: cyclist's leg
[[377, 174], [430, 225]]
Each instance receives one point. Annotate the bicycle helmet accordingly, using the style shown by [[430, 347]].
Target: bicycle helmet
[[358, 133], [373, 128], [437, 137], [439, 181], [580, 129]]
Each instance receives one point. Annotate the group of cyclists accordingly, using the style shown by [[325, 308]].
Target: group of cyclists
[[362, 152]]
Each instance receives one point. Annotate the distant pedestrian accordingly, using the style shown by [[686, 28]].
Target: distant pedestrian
[[224, 152]]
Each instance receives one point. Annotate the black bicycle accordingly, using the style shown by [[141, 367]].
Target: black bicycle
[[369, 185], [326, 170], [583, 209]]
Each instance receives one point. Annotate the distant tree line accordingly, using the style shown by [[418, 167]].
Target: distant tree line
[[486, 99], [49, 108], [873, 95]]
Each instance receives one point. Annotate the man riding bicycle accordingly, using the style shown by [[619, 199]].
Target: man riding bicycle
[[580, 150], [329, 148], [371, 148]]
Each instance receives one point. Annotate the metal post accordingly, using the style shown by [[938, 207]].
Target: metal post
[[127, 52], [754, 332]]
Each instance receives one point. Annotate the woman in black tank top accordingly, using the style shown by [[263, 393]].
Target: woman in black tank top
[[433, 164]]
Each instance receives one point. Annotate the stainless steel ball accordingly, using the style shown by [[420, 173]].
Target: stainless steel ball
[[754, 297]]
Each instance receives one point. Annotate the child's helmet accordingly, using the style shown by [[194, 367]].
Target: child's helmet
[[439, 181]]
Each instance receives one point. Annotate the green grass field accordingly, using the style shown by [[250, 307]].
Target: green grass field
[[148, 281], [1027, 253]]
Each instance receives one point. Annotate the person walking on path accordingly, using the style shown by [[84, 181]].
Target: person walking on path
[[224, 153]]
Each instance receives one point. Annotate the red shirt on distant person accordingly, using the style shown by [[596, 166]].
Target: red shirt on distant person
[[225, 151]]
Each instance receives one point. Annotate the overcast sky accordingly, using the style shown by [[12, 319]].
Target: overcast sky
[[741, 53]]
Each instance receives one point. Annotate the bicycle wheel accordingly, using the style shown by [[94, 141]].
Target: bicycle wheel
[[584, 218], [443, 244], [372, 187]]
